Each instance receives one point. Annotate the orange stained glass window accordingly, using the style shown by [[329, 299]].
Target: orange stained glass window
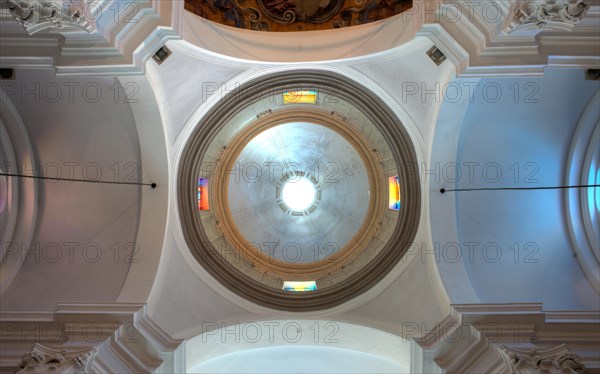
[[394, 188], [202, 193]]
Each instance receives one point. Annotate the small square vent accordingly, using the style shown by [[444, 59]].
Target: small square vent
[[162, 54], [7, 73], [592, 74], [436, 55]]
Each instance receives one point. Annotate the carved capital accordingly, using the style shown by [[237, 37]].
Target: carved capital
[[547, 14], [548, 361], [42, 359], [38, 15]]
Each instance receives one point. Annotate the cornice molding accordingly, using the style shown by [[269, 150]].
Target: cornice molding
[[122, 333], [477, 337], [479, 47], [110, 48], [492, 52]]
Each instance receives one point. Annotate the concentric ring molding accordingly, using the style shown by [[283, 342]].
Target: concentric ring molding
[[300, 271], [362, 279]]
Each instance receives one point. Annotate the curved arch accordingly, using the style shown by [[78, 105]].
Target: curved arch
[[143, 274], [442, 208], [23, 214], [219, 339], [581, 154]]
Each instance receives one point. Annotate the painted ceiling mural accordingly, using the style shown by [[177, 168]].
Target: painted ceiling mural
[[295, 15]]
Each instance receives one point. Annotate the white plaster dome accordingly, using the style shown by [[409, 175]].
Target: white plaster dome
[[299, 192], [289, 205]]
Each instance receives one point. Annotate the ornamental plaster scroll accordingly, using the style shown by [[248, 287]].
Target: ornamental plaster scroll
[[39, 15], [42, 359], [547, 14], [557, 360]]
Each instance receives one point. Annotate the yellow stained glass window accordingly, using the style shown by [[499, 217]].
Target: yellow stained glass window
[[300, 97], [394, 188], [300, 286]]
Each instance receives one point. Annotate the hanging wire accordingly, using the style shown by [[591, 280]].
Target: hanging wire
[[153, 185], [443, 190]]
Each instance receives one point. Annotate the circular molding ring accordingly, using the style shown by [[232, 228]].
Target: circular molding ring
[[367, 276], [219, 187]]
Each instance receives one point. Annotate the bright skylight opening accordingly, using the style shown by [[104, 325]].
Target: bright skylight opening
[[299, 194], [300, 286]]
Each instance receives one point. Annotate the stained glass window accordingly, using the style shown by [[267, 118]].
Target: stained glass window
[[202, 193], [300, 97], [300, 286], [394, 188]]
